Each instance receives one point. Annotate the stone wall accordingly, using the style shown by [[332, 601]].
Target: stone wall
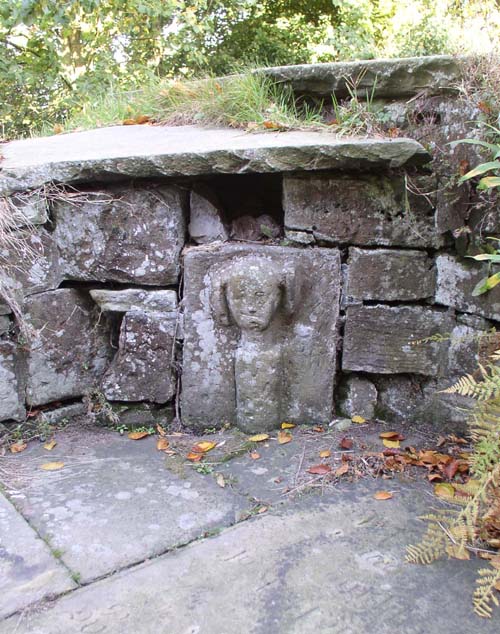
[[247, 279]]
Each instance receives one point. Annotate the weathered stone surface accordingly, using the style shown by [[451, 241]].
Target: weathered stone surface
[[456, 279], [122, 235], [31, 207], [5, 309], [377, 78], [143, 369], [71, 346], [63, 415], [11, 405], [153, 151], [254, 228], [382, 340], [5, 324], [115, 504], [358, 397], [389, 275], [206, 219], [260, 335], [137, 299], [28, 571], [362, 211], [299, 237]]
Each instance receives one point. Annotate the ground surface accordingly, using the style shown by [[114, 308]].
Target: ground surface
[[126, 538]]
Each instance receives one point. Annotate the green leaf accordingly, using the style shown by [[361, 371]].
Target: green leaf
[[489, 182], [480, 169], [486, 256], [486, 284], [490, 146]]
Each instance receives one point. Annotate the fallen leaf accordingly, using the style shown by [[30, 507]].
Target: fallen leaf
[[432, 477], [262, 509], [326, 453], [440, 441], [451, 469], [342, 469], [284, 437], [220, 480], [142, 119], [137, 435], [319, 429], [444, 490], [258, 437], [52, 466], [391, 444], [254, 455], [383, 495], [346, 443], [162, 444], [358, 419], [50, 445], [203, 446], [129, 122], [287, 425], [390, 435], [58, 128], [194, 457], [319, 469], [271, 125], [18, 447], [161, 430]]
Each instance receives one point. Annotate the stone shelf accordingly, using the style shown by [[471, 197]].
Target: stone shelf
[[161, 151]]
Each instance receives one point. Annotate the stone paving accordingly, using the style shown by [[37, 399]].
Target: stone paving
[[126, 538]]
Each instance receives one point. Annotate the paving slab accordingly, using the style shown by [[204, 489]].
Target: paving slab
[[332, 565], [155, 151], [114, 503], [28, 570]]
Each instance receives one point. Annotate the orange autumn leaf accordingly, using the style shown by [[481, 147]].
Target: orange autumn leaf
[[194, 457], [319, 469], [284, 437], [162, 444], [129, 122], [18, 447], [161, 430], [390, 435], [344, 468], [383, 495], [137, 435], [319, 429], [204, 446], [50, 445], [326, 453], [346, 443], [141, 119]]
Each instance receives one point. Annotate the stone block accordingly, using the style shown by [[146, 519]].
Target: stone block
[[136, 299], [358, 397], [31, 208], [260, 336], [389, 275], [11, 405], [5, 324], [254, 228], [70, 348], [456, 279], [381, 340], [122, 235], [362, 210], [143, 369], [206, 222]]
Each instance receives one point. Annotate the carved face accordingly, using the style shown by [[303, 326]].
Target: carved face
[[253, 295]]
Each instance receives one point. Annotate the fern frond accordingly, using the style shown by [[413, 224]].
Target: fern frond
[[487, 388], [486, 590]]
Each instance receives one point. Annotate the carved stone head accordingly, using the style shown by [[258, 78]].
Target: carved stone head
[[251, 290]]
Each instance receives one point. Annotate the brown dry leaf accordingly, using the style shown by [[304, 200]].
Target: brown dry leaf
[[204, 446], [319, 469], [137, 435], [18, 447], [358, 419], [52, 466], [272, 125], [162, 444], [258, 437], [194, 457], [254, 455], [444, 490], [342, 469], [319, 429], [287, 425], [220, 480], [484, 107], [326, 453], [346, 443], [129, 122], [391, 444], [390, 435], [161, 430], [142, 119], [463, 167], [284, 437], [457, 439], [451, 469], [50, 445], [383, 495], [440, 441], [58, 128], [394, 132], [458, 551], [433, 477]]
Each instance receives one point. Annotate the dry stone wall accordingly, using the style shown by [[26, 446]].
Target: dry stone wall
[[165, 273]]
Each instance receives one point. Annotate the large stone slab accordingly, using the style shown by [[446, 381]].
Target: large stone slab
[[456, 279], [363, 210], [11, 402], [377, 78], [28, 570], [154, 151], [382, 340], [331, 566], [260, 335], [114, 503], [206, 218], [135, 299], [122, 235], [144, 367], [389, 275], [70, 348]]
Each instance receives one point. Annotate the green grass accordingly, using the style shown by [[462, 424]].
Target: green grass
[[247, 100]]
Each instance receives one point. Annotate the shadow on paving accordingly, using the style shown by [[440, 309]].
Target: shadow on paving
[[329, 559]]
